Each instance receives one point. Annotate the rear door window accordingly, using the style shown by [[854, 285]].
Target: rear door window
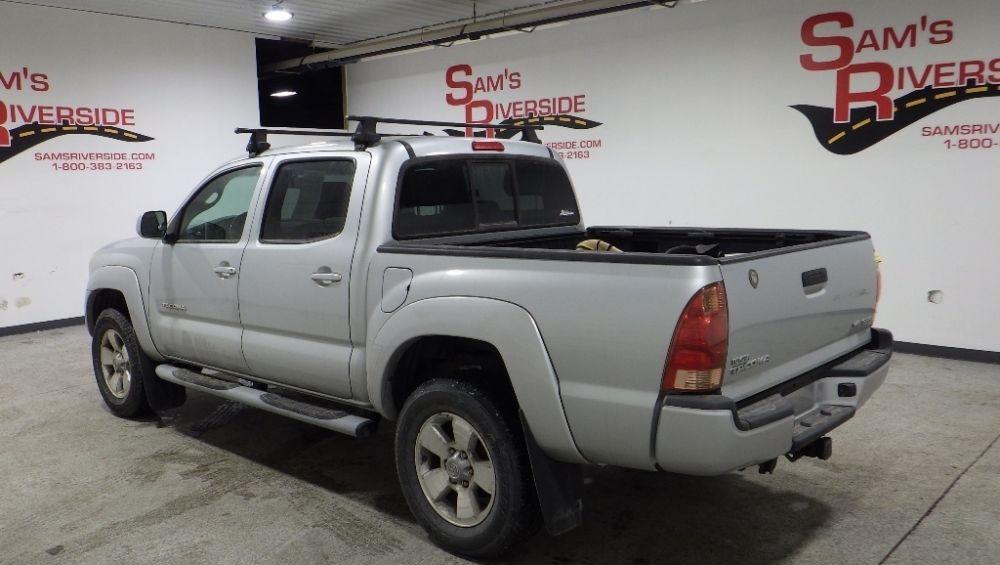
[[308, 201], [453, 196]]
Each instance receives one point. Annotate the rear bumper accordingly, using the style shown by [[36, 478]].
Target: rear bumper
[[712, 434]]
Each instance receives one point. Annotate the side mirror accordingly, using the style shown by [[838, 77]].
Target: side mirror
[[153, 224]]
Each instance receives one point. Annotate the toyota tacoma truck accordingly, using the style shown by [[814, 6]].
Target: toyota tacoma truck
[[449, 286]]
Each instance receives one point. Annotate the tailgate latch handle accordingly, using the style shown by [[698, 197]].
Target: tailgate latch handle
[[814, 280]]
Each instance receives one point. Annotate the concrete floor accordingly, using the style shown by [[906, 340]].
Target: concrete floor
[[915, 478]]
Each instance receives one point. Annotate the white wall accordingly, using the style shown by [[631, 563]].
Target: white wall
[[189, 87], [698, 130]]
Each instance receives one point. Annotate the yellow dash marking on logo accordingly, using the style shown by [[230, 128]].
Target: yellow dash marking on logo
[[48, 130], [130, 135], [532, 120], [916, 102], [862, 123], [26, 133], [564, 119], [69, 128], [90, 128], [110, 130], [836, 137], [976, 89], [580, 122], [948, 94], [519, 123], [549, 118]]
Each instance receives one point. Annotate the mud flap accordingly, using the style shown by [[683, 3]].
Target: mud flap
[[160, 394], [559, 486]]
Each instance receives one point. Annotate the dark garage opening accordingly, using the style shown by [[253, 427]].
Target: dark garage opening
[[318, 99]]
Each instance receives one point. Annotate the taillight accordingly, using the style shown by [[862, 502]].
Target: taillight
[[696, 360], [487, 146]]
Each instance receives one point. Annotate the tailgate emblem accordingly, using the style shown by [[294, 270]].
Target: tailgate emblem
[[754, 278], [745, 362]]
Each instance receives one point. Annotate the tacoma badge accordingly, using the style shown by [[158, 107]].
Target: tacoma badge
[[744, 362]]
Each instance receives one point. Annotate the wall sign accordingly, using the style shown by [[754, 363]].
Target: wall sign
[[835, 41], [493, 98], [26, 125]]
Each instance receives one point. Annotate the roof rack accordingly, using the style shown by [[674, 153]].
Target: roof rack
[[258, 136], [366, 134], [367, 125]]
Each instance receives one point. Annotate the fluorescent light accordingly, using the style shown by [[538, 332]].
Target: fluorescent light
[[283, 93], [277, 14]]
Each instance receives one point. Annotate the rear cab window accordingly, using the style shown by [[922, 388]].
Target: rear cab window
[[460, 195]]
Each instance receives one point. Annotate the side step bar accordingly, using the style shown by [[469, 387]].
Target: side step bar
[[322, 416]]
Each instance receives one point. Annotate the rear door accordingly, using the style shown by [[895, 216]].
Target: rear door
[[296, 274], [193, 310], [791, 311]]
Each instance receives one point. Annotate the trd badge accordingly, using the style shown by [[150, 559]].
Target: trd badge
[[754, 278]]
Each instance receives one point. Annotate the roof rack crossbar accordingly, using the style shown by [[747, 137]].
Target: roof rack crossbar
[[258, 136], [366, 134], [368, 124]]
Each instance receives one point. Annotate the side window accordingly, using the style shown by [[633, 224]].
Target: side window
[[218, 212], [308, 201], [434, 198]]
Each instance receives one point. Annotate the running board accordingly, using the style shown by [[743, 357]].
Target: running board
[[322, 416]]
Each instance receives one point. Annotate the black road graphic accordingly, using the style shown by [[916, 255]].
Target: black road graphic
[[562, 120], [863, 130], [27, 136]]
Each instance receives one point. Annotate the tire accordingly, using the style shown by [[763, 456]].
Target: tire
[[120, 366], [466, 519]]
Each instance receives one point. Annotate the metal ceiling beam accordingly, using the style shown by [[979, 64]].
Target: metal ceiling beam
[[444, 35]]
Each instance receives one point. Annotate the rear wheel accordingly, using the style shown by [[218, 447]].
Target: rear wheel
[[464, 469]]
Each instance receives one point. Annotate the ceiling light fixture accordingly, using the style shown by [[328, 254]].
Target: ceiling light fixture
[[283, 93], [278, 14]]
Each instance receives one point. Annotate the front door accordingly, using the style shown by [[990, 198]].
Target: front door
[[193, 309], [295, 279]]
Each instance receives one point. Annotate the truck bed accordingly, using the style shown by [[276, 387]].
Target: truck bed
[[797, 298], [669, 246]]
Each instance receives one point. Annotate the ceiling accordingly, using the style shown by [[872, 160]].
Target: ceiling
[[326, 22]]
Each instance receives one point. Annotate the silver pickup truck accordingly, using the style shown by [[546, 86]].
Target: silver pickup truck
[[450, 286]]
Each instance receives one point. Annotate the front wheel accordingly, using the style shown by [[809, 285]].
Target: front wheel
[[464, 469], [119, 365]]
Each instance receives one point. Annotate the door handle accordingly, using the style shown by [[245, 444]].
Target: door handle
[[224, 271], [326, 279]]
